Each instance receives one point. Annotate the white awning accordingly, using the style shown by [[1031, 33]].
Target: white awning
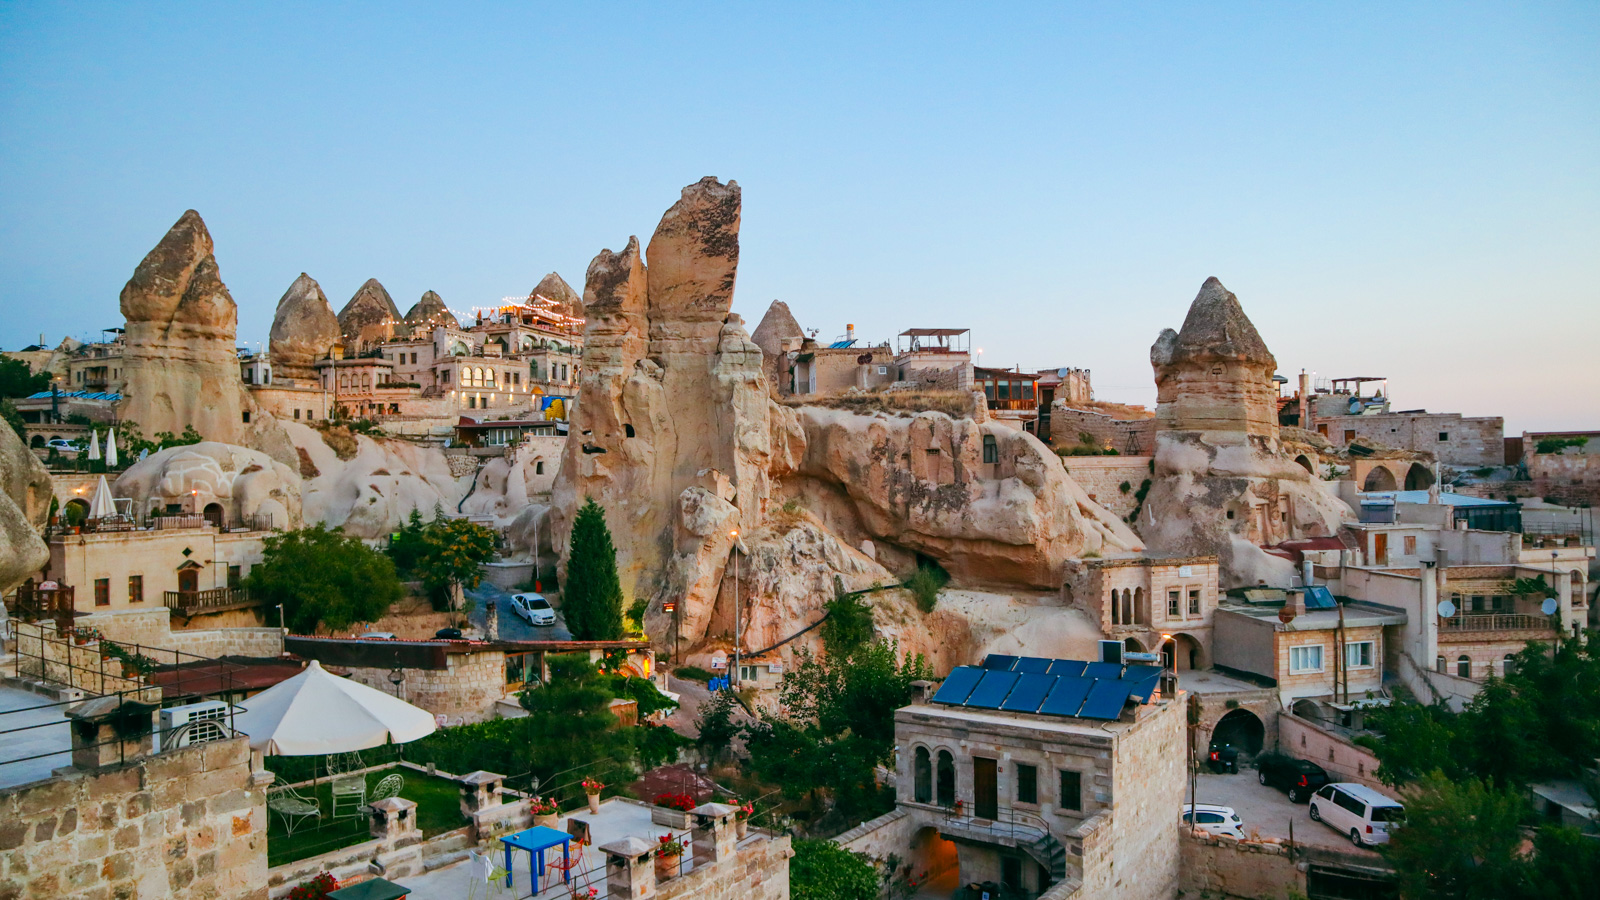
[[318, 712]]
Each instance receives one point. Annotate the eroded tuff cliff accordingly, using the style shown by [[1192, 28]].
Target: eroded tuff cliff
[[180, 365], [369, 317], [24, 505], [554, 287], [428, 313], [1223, 484], [709, 486]]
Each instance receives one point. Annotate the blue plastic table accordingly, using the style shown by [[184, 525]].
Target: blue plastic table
[[536, 841]]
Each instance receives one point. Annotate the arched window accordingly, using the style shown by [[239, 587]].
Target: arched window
[[991, 450], [1138, 605], [538, 468], [488, 377], [1116, 609], [1127, 606], [922, 776], [947, 779], [1464, 666], [1509, 665]]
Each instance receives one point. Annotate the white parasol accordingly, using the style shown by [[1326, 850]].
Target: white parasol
[[111, 449], [101, 505], [317, 712], [94, 444]]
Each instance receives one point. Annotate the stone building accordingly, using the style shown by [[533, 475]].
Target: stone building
[[1079, 798], [1151, 605], [191, 567], [1453, 439], [1129, 430], [1318, 654]]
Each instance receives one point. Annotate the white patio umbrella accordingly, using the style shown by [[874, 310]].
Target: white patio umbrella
[[317, 712], [101, 505], [94, 444], [111, 448]]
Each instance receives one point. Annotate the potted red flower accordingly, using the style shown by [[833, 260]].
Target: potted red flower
[[672, 810], [545, 811], [591, 789], [668, 854], [742, 817], [315, 889]]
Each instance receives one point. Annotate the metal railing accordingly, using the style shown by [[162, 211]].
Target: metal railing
[[1497, 622]]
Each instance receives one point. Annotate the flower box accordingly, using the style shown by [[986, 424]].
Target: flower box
[[670, 818]]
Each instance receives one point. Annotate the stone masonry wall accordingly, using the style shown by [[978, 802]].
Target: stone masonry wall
[[1223, 867], [758, 871], [1343, 760], [1131, 436], [1103, 476], [1148, 785], [152, 628], [468, 688], [1469, 442], [184, 825]]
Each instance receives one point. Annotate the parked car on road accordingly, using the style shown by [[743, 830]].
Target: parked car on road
[[1299, 777], [62, 445], [1357, 810], [1215, 820], [448, 634], [379, 636], [533, 607]]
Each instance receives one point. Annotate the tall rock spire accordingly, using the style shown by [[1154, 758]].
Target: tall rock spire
[[303, 329]]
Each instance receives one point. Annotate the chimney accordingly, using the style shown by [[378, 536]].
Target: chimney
[[1305, 401], [110, 730]]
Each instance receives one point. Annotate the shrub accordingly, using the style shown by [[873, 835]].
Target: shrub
[[849, 624], [1125, 487], [680, 802], [692, 673], [823, 870], [315, 889], [926, 583]]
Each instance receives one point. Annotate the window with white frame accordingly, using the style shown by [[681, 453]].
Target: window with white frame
[[1305, 659], [1358, 654]]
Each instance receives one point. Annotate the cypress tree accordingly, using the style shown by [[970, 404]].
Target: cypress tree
[[592, 597]]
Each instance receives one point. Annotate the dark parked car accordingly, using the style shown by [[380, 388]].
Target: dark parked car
[[448, 634], [1299, 777]]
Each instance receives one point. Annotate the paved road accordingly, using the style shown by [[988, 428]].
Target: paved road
[[512, 626], [1269, 811]]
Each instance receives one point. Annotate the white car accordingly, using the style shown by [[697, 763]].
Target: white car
[[379, 636], [533, 607], [1215, 820], [1358, 811], [62, 445]]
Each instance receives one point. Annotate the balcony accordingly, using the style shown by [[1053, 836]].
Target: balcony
[[1465, 626], [193, 603]]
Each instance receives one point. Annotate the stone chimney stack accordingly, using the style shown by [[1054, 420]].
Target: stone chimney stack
[[109, 731], [1305, 402]]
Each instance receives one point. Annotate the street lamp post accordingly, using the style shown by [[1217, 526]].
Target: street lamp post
[[736, 637]]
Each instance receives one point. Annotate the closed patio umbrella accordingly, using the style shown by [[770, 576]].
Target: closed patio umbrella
[[317, 712], [101, 505], [94, 444], [111, 449]]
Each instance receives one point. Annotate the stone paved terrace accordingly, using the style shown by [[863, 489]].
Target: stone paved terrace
[[618, 818], [31, 725]]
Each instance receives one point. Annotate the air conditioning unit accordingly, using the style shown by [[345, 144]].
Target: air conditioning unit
[[207, 721]]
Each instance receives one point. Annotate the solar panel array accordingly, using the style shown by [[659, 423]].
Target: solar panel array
[[1051, 687]]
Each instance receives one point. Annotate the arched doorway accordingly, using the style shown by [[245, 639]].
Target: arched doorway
[[189, 577], [214, 515], [922, 776], [76, 512], [946, 779], [1307, 709], [1379, 479], [1242, 729], [1305, 463], [1183, 654], [935, 861], [37, 442], [1132, 645], [1419, 477]]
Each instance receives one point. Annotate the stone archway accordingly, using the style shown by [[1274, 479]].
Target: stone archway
[[214, 514], [1305, 463], [37, 442], [1132, 645], [1184, 653], [1240, 728], [1419, 477], [1308, 709], [75, 511], [1379, 479]]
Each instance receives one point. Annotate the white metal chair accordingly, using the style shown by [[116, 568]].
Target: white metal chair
[[292, 808], [349, 796], [388, 786]]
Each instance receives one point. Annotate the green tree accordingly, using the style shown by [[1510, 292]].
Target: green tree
[[324, 579], [405, 545], [592, 595], [837, 726], [1461, 839], [849, 624], [14, 419], [823, 870], [17, 380], [715, 728], [577, 734], [452, 552]]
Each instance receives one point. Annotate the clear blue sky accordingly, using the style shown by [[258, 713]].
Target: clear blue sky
[[1408, 190]]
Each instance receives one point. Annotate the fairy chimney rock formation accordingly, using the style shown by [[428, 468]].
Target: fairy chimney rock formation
[[369, 317], [429, 313], [554, 287], [1215, 375], [180, 365], [777, 328], [303, 330]]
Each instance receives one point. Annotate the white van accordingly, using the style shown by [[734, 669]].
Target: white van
[[1357, 810]]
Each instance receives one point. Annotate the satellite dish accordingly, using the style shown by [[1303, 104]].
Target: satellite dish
[[1446, 609], [1549, 606]]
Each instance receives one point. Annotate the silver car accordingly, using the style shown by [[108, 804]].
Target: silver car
[[533, 607]]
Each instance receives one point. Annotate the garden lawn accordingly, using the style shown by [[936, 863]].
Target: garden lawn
[[438, 810]]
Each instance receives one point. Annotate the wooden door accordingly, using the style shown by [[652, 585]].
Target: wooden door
[[188, 580], [1380, 549], [985, 788]]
